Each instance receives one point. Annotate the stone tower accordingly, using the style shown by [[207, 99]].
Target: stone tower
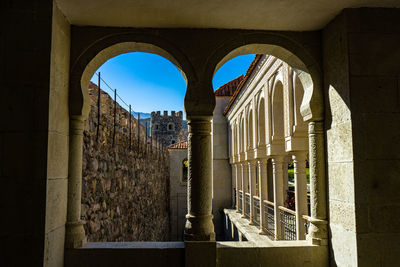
[[166, 127]]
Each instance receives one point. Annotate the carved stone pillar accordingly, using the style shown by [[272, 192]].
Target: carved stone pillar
[[300, 178], [263, 189], [75, 234], [285, 177], [318, 224], [199, 225], [277, 166], [245, 182], [252, 182]]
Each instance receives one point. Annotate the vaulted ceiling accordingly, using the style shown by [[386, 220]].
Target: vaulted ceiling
[[298, 15]]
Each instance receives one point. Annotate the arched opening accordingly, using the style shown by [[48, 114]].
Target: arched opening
[[305, 104], [250, 130], [112, 170], [261, 123], [299, 126], [277, 112], [242, 135]]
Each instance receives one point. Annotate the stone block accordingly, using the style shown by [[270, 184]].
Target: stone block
[[378, 181], [340, 143], [368, 94], [195, 251], [54, 248], [339, 107], [377, 136], [57, 156], [56, 206], [343, 214], [384, 219], [341, 181], [343, 246]]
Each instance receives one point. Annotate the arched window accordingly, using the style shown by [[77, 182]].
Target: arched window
[[185, 165]]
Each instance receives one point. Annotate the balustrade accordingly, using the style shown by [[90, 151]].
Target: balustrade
[[288, 223], [247, 201], [240, 200], [256, 212], [269, 219]]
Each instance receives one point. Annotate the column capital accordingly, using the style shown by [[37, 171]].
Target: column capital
[[278, 158], [252, 162], [263, 160], [299, 155]]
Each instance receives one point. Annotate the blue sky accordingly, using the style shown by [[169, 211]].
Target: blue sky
[[150, 82]]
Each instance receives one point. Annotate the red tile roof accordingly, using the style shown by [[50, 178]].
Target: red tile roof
[[180, 145], [242, 83], [229, 88]]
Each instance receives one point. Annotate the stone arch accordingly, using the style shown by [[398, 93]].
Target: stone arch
[[98, 52], [277, 107], [261, 122], [288, 48], [250, 128], [242, 130], [235, 138], [298, 94]]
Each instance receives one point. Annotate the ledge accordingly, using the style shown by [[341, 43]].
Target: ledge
[[251, 232], [133, 245]]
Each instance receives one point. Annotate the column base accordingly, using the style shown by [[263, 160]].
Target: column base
[[317, 231], [75, 236], [199, 228], [251, 222], [262, 232]]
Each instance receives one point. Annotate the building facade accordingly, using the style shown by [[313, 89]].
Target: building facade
[[178, 189], [266, 132], [166, 128]]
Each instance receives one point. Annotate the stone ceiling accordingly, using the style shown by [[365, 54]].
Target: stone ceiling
[[295, 15]]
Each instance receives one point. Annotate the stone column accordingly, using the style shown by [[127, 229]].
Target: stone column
[[300, 178], [245, 182], [199, 225], [75, 234], [285, 176], [234, 185], [277, 167], [252, 182], [263, 189], [238, 185], [317, 231]]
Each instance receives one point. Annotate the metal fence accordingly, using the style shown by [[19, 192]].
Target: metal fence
[[247, 202], [256, 211], [269, 219], [240, 201], [288, 223], [146, 144]]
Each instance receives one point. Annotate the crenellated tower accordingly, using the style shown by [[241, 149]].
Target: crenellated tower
[[166, 127]]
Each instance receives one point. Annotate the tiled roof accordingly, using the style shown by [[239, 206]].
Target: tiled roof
[[243, 82], [229, 88], [180, 145]]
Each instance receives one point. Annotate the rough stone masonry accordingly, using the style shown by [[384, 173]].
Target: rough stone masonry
[[125, 190]]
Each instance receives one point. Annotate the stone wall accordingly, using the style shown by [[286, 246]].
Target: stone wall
[[125, 190]]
